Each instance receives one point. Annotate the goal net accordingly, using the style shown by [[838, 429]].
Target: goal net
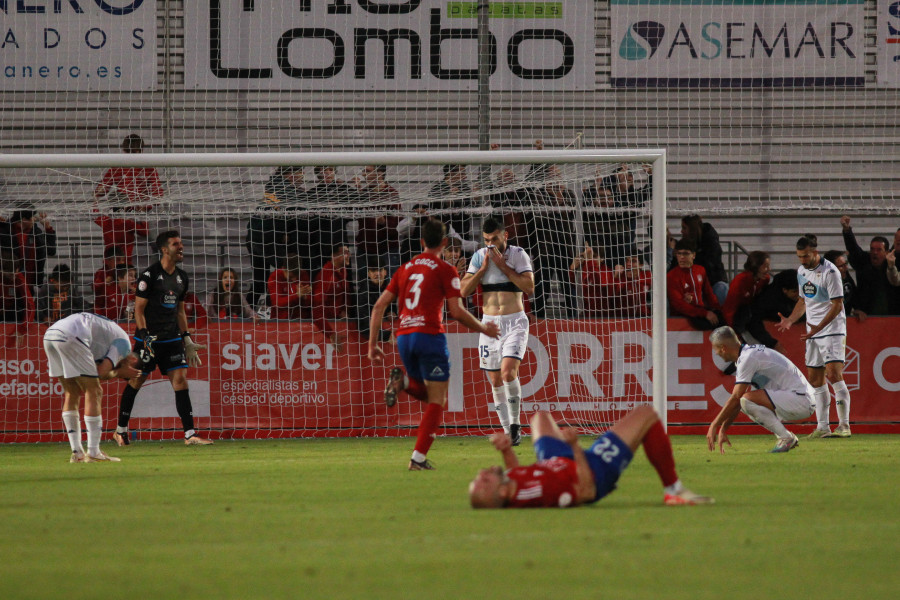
[[286, 258]]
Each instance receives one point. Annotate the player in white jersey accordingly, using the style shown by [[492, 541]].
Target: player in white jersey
[[822, 299], [504, 273], [81, 350], [781, 392]]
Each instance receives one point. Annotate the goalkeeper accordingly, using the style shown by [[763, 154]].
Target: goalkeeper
[[161, 336]]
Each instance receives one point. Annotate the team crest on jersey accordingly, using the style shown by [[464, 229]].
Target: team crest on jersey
[[178, 279], [809, 289], [142, 286]]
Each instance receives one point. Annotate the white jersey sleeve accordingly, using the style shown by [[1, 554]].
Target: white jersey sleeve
[[768, 369], [494, 279]]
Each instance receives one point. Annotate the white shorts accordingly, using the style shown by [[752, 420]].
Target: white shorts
[[513, 340], [792, 406], [823, 350], [68, 356]]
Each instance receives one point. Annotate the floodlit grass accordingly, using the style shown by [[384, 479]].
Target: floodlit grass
[[344, 519]]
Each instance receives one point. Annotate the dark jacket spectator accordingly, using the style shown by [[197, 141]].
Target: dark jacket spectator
[[513, 202], [56, 299], [626, 196], [328, 199], [876, 295], [452, 194], [36, 240], [16, 301], [554, 220], [839, 259], [780, 296], [746, 287], [365, 296], [377, 238], [267, 238], [604, 226]]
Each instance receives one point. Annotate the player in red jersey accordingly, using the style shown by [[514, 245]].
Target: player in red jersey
[[420, 286], [566, 475]]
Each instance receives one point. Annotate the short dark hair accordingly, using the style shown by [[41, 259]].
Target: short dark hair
[[163, 238], [833, 255], [320, 171], [809, 240], [449, 169], [338, 249], [61, 273], [133, 144], [292, 263], [491, 224], [113, 250], [882, 239], [433, 232], [381, 169], [684, 244], [755, 260]]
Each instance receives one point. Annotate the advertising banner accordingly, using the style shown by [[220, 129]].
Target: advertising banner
[[88, 45], [888, 40], [282, 379], [380, 45], [737, 43]]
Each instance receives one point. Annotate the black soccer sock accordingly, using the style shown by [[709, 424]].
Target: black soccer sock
[[126, 404], [185, 411]]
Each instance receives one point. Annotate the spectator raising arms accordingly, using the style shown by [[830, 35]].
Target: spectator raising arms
[[135, 187], [876, 295], [290, 290], [226, 301], [689, 291]]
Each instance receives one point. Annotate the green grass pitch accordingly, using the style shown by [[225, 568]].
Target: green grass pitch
[[344, 519]]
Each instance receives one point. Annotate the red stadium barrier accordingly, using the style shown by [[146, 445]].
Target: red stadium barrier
[[280, 379]]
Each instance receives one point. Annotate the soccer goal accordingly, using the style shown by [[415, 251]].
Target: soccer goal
[[287, 252]]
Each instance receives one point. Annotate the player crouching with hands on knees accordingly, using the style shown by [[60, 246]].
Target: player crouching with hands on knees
[[566, 475], [83, 349], [784, 394]]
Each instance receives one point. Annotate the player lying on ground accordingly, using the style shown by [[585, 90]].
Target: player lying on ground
[[420, 287], [783, 394], [566, 475], [83, 349]]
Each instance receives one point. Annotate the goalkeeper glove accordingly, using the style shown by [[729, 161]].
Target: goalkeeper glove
[[191, 350]]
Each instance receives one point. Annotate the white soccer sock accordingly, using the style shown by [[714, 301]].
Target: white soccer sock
[[675, 488], [418, 456], [73, 430], [94, 426], [842, 402], [514, 399], [501, 406], [765, 417], [823, 405]]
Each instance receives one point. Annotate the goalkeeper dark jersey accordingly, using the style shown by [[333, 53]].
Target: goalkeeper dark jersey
[[163, 291]]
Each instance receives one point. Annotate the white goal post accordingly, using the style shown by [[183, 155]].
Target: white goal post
[[654, 215]]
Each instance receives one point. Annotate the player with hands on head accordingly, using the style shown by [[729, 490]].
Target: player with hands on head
[[768, 388], [162, 339], [504, 273], [82, 350], [822, 300], [567, 475], [420, 287]]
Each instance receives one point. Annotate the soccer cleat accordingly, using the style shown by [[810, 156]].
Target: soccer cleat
[[841, 431], [122, 439], [818, 434], [686, 498], [196, 440], [394, 385], [77, 457], [785, 445], [425, 465], [100, 457], [515, 434]]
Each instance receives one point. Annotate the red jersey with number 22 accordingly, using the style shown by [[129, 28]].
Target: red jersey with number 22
[[421, 285], [547, 483]]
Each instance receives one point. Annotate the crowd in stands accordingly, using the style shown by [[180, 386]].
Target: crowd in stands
[[326, 251]]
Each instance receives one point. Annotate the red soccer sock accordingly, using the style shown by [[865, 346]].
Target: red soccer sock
[[428, 427], [659, 451], [417, 390]]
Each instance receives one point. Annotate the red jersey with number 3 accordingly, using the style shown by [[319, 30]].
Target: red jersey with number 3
[[548, 483], [421, 285]]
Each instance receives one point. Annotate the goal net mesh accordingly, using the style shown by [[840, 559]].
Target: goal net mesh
[[284, 265]]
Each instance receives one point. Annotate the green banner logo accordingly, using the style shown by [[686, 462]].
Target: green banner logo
[[507, 10]]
